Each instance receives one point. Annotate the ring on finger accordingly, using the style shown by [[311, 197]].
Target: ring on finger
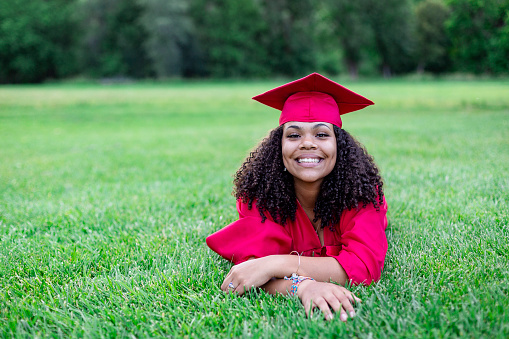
[[230, 285]]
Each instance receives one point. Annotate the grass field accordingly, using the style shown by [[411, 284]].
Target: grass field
[[108, 192]]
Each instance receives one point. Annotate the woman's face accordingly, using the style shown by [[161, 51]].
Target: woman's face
[[309, 150]]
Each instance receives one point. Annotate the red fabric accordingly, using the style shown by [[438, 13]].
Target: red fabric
[[313, 86], [359, 243], [310, 107]]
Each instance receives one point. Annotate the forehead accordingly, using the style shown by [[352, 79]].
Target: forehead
[[308, 125]]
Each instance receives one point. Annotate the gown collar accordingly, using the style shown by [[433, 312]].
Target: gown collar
[[309, 237]]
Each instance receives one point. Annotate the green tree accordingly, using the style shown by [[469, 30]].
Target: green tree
[[112, 38], [171, 42], [36, 40], [392, 24], [290, 41], [351, 28], [432, 40], [230, 34], [478, 31]]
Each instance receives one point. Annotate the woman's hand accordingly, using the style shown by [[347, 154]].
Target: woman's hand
[[249, 274], [325, 296]]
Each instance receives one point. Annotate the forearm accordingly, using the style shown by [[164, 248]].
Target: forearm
[[319, 268], [261, 271], [277, 286]]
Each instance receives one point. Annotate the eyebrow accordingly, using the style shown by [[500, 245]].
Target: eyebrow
[[320, 124], [314, 127]]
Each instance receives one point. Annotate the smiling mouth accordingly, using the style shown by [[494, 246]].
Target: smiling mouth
[[309, 160]]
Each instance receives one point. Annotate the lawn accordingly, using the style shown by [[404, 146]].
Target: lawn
[[107, 193]]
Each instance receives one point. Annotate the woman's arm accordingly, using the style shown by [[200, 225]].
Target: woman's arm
[[277, 286], [270, 273], [321, 295], [257, 272]]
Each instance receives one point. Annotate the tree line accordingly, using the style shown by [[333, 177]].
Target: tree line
[[54, 39]]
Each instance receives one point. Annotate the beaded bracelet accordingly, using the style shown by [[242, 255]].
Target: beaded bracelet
[[296, 280]]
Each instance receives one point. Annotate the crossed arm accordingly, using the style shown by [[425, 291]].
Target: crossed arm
[[268, 273]]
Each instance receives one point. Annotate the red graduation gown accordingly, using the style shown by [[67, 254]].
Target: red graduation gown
[[359, 243]]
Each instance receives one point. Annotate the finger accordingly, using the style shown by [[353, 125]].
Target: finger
[[241, 289], [349, 295], [353, 298], [227, 278], [352, 295], [342, 315], [309, 307], [334, 302], [324, 307], [226, 282], [346, 304], [228, 287]]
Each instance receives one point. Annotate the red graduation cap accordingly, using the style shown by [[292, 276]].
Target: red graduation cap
[[313, 98]]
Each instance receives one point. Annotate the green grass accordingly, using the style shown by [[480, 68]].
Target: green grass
[[108, 192]]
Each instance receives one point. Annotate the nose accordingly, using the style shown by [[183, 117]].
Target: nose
[[307, 143]]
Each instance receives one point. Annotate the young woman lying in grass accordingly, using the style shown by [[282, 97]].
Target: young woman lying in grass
[[312, 214]]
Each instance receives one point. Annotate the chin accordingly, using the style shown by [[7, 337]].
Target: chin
[[309, 179]]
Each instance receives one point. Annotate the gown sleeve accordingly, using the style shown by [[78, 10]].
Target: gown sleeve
[[363, 243], [249, 237]]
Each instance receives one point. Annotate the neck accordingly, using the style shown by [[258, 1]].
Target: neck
[[307, 193]]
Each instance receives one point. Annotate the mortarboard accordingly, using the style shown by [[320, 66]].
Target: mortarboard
[[313, 98]]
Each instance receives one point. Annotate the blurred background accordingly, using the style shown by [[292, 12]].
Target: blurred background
[[44, 40]]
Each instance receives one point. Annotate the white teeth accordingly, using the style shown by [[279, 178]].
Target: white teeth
[[309, 160]]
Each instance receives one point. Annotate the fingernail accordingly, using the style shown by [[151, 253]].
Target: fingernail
[[330, 316], [352, 314], [343, 317]]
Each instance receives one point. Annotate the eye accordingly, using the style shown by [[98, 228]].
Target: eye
[[293, 136], [322, 135]]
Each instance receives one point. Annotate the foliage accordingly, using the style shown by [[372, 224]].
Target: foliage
[[108, 192], [42, 40], [432, 39], [171, 42], [112, 38], [391, 21], [230, 33], [479, 34], [348, 19], [36, 40], [289, 41]]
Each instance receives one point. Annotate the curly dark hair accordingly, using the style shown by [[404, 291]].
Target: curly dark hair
[[355, 179]]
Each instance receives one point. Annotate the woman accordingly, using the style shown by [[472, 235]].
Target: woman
[[310, 202]]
